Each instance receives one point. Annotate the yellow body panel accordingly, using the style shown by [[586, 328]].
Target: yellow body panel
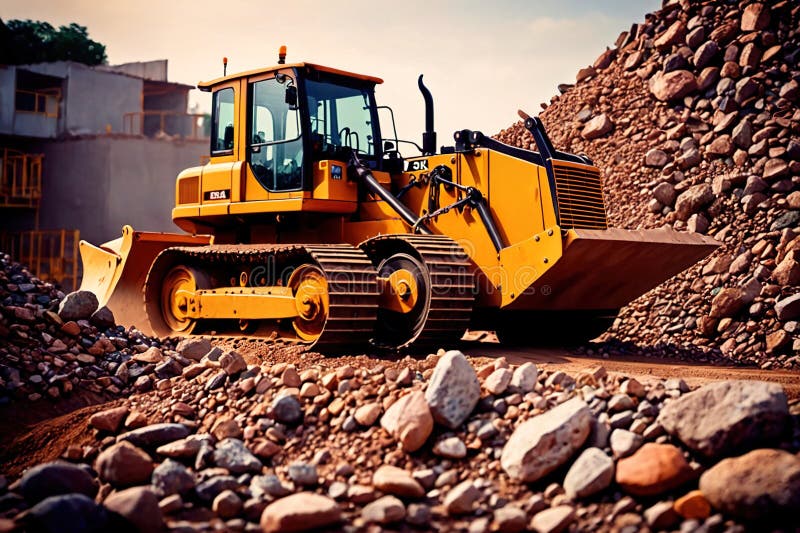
[[243, 303], [329, 186]]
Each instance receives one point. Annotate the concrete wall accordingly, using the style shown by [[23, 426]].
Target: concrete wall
[[150, 70], [8, 81], [99, 184], [24, 124], [95, 99], [91, 100]]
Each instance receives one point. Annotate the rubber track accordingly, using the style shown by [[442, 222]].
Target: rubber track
[[452, 287], [352, 284]]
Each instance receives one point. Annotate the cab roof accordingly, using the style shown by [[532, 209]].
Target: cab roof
[[208, 85]]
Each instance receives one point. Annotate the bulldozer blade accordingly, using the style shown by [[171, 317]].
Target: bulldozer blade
[[607, 269], [116, 271]]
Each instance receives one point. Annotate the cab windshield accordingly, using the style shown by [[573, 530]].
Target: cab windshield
[[340, 119]]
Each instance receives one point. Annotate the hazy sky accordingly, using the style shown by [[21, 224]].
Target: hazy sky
[[482, 60]]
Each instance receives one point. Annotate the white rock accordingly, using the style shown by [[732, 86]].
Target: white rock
[[452, 448], [461, 498], [498, 381], [591, 472], [623, 442], [384, 510], [453, 391], [524, 378], [553, 520], [540, 445]]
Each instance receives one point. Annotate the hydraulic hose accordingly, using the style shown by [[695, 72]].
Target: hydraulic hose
[[364, 174]]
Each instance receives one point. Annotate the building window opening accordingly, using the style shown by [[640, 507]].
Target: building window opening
[[37, 93]]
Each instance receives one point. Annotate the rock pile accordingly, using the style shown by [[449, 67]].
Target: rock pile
[[693, 117], [233, 446], [52, 344]]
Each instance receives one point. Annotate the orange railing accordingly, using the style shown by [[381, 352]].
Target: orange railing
[[20, 178], [52, 255], [155, 123], [42, 102]]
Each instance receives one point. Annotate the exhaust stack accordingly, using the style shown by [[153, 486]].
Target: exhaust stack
[[429, 135]]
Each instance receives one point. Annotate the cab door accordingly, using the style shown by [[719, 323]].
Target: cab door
[[273, 145], [217, 176]]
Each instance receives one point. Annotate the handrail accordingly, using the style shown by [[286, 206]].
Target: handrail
[[132, 126]]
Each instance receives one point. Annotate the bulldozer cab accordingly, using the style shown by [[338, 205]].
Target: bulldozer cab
[[282, 121]]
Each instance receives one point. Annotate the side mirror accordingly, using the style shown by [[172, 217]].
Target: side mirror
[[388, 145], [291, 96]]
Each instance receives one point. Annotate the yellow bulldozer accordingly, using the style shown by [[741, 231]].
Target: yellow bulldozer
[[308, 224]]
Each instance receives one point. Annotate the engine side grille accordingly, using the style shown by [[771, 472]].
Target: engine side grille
[[189, 190], [579, 193]]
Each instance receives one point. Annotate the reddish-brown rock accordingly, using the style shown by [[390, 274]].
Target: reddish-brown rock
[[653, 469], [673, 85]]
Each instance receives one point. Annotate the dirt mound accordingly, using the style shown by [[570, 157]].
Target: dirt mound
[[54, 345], [693, 118]]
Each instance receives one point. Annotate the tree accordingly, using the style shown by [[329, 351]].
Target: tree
[[28, 41]]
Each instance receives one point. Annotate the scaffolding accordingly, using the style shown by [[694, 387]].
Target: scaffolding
[[20, 179], [51, 255]]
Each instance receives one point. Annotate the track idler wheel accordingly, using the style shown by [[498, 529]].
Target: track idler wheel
[[310, 289], [175, 308]]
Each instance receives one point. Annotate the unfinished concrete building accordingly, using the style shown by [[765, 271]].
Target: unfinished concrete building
[[86, 150]]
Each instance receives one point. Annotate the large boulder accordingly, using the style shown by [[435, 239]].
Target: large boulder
[[171, 477], [139, 506], [78, 305], [109, 420], [232, 455], [672, 85], [722, 417], [394, 480], [53, 479], [591, 472], [409, 420], [728, 302], [693, 200], [155, 435], [543, 443], [760, 484], [755, 17], [453, 391], [304, 511], [672, 35], [124, 465], [597, 127], [73, 513], [653, 469], [788, 308], [193, 348]]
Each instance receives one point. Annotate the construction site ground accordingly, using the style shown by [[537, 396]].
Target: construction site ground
[[32, 436]]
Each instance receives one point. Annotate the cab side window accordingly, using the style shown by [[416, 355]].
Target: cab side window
[[276, 149], [222, 122]]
